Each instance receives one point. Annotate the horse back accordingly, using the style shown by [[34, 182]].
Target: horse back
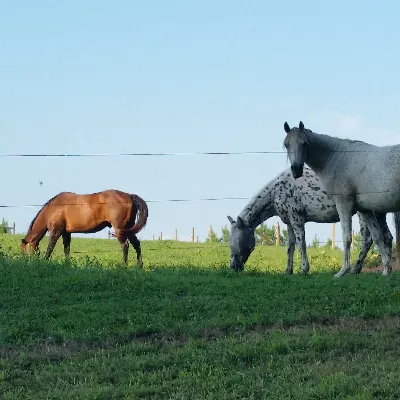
[[90, 210]]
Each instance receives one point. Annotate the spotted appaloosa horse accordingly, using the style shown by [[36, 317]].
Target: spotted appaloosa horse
[[358, 176], [68, 213], [295, 202]]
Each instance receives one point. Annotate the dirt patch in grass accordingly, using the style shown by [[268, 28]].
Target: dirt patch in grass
[[50, 350], [379, 268]]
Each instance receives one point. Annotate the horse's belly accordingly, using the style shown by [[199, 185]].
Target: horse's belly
[[381, 202], [81, 223], [320, 208], [323, 215]]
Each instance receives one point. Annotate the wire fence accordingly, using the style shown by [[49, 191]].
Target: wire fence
[[233, 198], [193, 247], [183, 247], [193, 153], [187, 200]]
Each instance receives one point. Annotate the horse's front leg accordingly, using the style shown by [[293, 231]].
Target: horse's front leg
[[290, 249], [345, 208], [365, 242], [54, 236]]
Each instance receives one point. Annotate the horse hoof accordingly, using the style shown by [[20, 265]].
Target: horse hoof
[[289, 272], [304, 272], [341, 273]]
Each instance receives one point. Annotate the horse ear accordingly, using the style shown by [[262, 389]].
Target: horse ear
[[231, 220], [240, 222], [301, 126], [287, 128]]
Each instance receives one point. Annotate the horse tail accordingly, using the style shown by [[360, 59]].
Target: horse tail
[[143, 213], [396, 217]]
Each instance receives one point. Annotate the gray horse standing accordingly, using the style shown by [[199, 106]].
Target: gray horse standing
[[359, 177], [295, 202]]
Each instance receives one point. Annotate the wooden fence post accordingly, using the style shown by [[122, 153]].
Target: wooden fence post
[[210, 232], [161, 236], [193, 234], [176, 234], [277, 234], [108, 234], [14, 228], [333, 236]]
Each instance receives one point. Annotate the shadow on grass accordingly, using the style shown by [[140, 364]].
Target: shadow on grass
[[60, 302]]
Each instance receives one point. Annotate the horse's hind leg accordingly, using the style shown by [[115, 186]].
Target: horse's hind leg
[[300, 235], [123, 240], [136, 245], [387, 236], [290, 249], [377, 230], [366, 243], [54, 236], [67, 242]]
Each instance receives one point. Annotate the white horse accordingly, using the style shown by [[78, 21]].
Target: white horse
[[358, 176], [295, 202]]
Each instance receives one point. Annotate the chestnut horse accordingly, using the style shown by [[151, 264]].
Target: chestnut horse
[[69, 213]]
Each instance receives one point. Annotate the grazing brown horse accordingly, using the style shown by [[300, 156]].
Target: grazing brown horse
[[69, 213]]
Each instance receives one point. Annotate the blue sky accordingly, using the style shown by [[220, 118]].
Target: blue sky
[[185, 76]]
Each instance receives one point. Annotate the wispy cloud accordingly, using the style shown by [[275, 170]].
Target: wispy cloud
[[354, 126]]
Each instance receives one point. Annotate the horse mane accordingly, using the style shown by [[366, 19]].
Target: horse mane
[[356, 141], [37, 215]]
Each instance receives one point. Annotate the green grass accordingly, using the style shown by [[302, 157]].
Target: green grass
[[186, 327]]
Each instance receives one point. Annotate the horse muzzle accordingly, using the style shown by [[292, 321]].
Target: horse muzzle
[[297, 170], [236, 265]]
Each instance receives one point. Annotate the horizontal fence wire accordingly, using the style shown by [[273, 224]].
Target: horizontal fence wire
[[195, 246], [168, 154], [194, 153], [204, 153], [186, 200]]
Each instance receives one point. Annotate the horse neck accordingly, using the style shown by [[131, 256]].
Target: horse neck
[[322, 149], [261, 206], [38, 229]]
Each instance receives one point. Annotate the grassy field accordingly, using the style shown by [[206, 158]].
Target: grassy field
[[186, 327]]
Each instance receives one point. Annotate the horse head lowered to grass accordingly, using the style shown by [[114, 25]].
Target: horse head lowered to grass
[[357, 175], [295, 202], [68, 213]]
